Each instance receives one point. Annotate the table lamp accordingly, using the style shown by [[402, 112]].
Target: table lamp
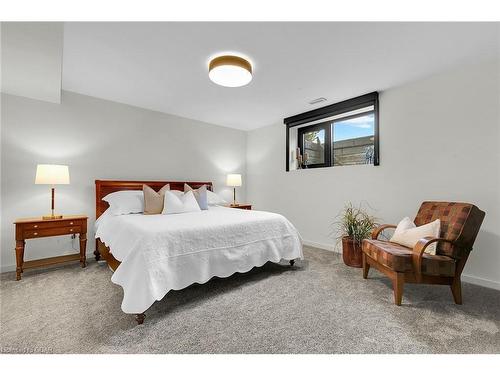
[[51, 174], [233, 180]]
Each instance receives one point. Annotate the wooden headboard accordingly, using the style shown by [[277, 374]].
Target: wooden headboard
[[105, 187]]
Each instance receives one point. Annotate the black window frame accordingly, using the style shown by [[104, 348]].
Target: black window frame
[[345, 106], [328, 142]]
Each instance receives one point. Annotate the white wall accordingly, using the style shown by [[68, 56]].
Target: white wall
[[439, 140], [100, 139], [32, 59]]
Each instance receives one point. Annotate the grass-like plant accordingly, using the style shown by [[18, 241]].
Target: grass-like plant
[[354, 222]]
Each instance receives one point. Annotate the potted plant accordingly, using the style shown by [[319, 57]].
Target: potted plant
[[354, 225]]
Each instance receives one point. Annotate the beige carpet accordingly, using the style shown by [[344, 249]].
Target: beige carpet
[[320, 306]]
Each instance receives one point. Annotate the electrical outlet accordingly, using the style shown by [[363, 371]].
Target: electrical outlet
[[73, 236]]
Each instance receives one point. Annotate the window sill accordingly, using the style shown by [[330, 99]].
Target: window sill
[[335, 167]]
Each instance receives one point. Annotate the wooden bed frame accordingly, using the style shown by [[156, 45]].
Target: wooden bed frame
[[105, 187]]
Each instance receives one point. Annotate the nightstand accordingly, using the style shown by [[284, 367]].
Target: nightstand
[[30, 228], [241, 206]]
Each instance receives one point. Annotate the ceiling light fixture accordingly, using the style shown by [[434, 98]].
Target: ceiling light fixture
[[230, 71]]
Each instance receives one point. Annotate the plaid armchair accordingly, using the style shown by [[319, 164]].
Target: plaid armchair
[[460, 223]]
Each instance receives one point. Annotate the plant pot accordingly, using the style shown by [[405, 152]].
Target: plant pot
[[351, 252]]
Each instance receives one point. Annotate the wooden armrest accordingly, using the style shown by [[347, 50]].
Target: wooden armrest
[[418, 251], [376, 232]]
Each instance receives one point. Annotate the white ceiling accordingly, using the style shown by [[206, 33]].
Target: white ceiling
[[163, 66], [31, 59]]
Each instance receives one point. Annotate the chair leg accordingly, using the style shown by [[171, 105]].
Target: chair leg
[[456, 290], [456, 285], [366, 267], [398, 283]]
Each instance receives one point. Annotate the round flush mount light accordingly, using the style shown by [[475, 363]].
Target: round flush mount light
[[230, 71]]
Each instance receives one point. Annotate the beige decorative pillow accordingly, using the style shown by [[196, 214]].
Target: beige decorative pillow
[[408, 234], [153, 201], [200, 194]]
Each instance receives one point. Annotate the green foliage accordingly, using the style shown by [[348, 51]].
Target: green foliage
[[355, 223], [312, 136]]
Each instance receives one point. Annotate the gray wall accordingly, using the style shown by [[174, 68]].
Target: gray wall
[[439, 140], [100, 139]]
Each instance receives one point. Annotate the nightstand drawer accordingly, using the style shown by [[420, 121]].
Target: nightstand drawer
[[51, 224], [54, 231]]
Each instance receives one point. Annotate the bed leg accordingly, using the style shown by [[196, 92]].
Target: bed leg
[[97, 254], [292, 262], [140, 318]]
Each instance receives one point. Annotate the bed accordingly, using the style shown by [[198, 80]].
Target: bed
[[153, 254]]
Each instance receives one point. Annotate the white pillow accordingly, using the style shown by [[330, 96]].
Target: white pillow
[[125, 202], [178, 193], [174, 204], [404, 224], [408, 234], [214, 199]]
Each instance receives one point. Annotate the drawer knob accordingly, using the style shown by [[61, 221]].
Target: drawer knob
[[71, 230], [71, 223], [35, 234], [35, 226]]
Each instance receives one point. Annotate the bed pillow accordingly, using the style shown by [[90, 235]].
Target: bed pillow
[[408, 234], [125, 202], [214, 199], [178, 193], [200, 194], [174, 204], [153, 201]]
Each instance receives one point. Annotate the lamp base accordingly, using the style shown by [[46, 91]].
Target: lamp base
[[52, 217]]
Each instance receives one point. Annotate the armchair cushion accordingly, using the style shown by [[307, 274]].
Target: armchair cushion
[[460, 223], [399, 258]]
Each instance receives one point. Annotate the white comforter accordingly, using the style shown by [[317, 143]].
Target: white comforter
[[159, 253]]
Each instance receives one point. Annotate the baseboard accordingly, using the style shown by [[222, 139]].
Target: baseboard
[[322, 246], [480, 281], [8, 268]]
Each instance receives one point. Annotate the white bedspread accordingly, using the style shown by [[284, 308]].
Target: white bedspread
[[159, 253]]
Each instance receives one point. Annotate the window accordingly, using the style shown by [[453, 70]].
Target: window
[[354, 140], [341, 134], [314, 145]]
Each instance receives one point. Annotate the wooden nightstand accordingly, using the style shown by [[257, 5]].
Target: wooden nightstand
[[29, 228], [242, 206]]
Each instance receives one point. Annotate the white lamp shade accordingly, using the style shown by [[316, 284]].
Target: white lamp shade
[[233, 180], [52, 174]]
